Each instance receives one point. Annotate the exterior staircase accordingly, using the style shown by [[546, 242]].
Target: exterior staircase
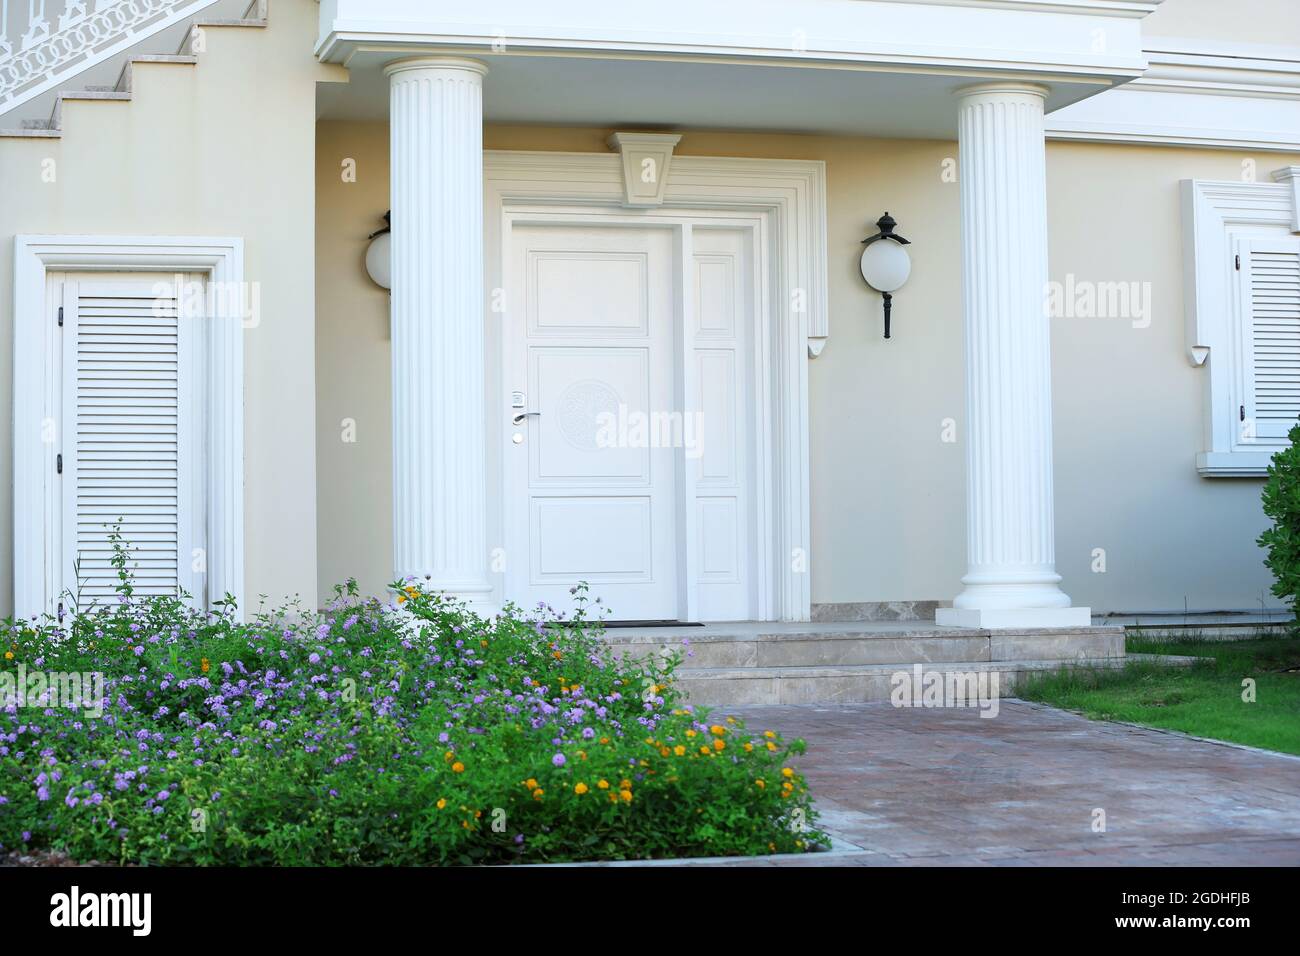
[[67, 84], [855, 662]]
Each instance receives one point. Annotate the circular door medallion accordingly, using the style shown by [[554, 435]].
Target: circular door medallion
[[579, 412]]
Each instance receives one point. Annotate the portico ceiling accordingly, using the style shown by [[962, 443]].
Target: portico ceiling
[[604, 91], [870, 67]]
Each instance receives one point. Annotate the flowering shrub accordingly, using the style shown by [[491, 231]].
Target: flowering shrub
[[369, 735]]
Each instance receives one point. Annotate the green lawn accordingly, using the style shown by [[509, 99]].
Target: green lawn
[[1205, 700]]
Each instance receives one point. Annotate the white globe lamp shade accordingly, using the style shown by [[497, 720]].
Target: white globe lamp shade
[[379, 260], [886, 265]]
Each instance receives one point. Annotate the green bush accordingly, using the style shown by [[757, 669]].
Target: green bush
[[1282, 504], [367, 735]]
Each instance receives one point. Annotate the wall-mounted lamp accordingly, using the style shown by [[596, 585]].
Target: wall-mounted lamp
[[379, 256], [886, 265]]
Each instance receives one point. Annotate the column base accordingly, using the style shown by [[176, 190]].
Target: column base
[[1013, 617]]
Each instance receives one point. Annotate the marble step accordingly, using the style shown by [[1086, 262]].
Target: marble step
[[822, 646], [728, 686]]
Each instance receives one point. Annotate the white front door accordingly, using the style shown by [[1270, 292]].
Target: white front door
[[632, 425], [591, 495]]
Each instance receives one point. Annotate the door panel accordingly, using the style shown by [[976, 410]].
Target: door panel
[[591, 495], [721, 463], [581, 391]]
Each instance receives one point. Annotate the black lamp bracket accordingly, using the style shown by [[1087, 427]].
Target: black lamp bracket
[[388, 225], [886, 224]]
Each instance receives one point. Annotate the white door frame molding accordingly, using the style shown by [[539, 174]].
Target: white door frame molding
[[523, 186], [221, 262]]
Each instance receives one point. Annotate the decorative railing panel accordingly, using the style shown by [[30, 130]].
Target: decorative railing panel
[[43, 42]]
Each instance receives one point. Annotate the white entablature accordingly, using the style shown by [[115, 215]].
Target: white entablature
[[1083, 37], [788, 64]]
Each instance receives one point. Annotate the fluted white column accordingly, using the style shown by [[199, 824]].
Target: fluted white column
[[1011, 579], [439, 442]]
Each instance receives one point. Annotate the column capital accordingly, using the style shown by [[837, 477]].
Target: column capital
[[1008, 87], [457, 64]]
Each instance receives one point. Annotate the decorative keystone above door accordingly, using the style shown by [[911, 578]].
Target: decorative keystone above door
[[646, 158]]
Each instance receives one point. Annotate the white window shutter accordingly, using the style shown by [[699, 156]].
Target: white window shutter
[[1269, 301], [126, 432]]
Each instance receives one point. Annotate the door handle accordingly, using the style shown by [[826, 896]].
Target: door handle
[[519, 417]]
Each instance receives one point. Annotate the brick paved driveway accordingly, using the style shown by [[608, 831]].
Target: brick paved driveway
[[947, 787]]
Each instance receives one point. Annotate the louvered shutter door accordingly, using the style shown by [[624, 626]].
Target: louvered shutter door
[[123, 413], [1270, 303]]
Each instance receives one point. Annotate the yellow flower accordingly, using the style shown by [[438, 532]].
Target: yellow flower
[[442, 803], [448, 755], [603, 784], [770, 745], [537, 794], [719, 744], [9, 655], [604, 740], [749, 748], [704, 750], [731, 720], [530, 783], [458, 767], [401, 599], [626, 795], [690, 733], [787, 772], [483, 642], [769, 734], [625, 784], [717, 730], [760, 784], [205, 665], [613, 797], [580, 788], [664, 752], [679, 750]]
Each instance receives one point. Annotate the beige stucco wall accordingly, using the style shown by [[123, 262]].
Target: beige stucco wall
[[1239, 21], [224, 148], [888, 500]]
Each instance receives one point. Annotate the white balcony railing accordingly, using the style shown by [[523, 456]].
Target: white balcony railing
[[44, 42]]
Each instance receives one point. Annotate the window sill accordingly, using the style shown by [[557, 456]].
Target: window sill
[[1235, 464]]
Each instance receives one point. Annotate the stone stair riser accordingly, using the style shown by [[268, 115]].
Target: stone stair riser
[[839, 689], [885, 650]]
